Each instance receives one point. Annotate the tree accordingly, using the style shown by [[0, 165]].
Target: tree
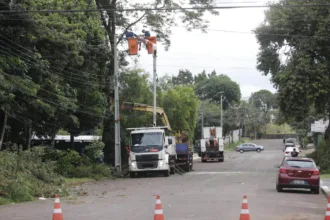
[[184, 78], [180, 105], [303, 79], [263, 98], [210, 88], [159, 22]]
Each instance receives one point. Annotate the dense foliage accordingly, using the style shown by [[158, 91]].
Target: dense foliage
[[302, 78]]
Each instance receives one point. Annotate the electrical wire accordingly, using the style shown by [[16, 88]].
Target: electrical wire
[[162, 9]]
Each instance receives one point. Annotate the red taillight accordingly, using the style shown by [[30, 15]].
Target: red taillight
[[282, 170], [316, 173], [287, 152]]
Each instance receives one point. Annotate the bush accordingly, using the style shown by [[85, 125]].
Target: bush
[[24, 176], [67, 164], [94, 151], [322, 156]]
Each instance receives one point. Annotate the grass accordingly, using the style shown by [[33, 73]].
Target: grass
[[232, 146], [77, 181], [279, 129], [326, 175], [5, 201]]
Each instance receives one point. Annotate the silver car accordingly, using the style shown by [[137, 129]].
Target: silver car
[[249, 147]]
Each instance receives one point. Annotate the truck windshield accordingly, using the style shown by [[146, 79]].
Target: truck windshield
[[147, 142]]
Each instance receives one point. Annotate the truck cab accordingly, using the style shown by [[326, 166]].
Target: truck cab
[[149, 151]]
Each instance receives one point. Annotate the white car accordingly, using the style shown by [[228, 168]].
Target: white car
[[288, 150]]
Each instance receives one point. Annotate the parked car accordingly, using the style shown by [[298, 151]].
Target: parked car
[[298, 172], [288, 150], [249, 147]]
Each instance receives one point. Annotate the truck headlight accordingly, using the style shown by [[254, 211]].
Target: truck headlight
[[160, 163], [133, 164]]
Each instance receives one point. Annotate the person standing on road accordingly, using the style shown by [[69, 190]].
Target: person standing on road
[[294, 153]]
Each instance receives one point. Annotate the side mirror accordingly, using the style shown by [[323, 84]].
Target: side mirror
[[170, 141], [318, 167], [166, 146], [277, 166]]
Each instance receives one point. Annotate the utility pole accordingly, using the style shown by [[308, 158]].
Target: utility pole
[[117, 121], [155, 82], [221, 118], [202, 124]]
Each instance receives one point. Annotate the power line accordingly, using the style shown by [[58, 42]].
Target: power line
[[161, 9]]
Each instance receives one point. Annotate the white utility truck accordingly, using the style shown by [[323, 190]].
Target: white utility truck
[[212, 145], [151, 151]]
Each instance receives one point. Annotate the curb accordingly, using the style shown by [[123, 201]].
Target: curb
[[325, 190]]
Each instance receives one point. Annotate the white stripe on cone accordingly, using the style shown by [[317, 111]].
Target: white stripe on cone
[[57, 200], [245, 211], [158, 211], [245, 201], [56, 211], [327, 213], [158, 201]]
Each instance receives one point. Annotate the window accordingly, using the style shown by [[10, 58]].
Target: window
[[300, 163]]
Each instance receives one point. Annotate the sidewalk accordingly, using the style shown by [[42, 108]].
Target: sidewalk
[[325, 186]]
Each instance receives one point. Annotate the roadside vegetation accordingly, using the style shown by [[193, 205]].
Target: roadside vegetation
[[279, 129], [44, 172], [232, 146]]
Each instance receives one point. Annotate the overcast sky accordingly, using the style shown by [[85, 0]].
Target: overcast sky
[[233, 52]]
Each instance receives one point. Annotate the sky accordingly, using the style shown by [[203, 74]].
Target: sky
[[230, 41]]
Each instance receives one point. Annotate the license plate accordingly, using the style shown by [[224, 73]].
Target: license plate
[[299, 182]]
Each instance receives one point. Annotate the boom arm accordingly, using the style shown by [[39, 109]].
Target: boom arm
[[146, 108]]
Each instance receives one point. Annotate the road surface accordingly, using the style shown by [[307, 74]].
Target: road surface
[[213, 191]]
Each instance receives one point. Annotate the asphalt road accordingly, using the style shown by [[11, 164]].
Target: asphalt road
[[212, 191]]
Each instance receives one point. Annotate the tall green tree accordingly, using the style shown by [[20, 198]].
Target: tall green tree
[[303, 80], [180, 105], [210, 88], [184, 77], [263, 99]]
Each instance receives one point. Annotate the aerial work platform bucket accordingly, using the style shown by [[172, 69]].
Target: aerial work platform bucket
[[133, 46], [150, 44]]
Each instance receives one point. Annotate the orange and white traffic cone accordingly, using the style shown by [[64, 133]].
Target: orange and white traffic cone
[[159, 215], [245, 214], [57, 213], [327, 212]]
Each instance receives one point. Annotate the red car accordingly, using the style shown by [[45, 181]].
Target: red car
[[297, 172]]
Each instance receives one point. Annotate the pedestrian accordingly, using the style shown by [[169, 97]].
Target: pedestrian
[[294, 153]]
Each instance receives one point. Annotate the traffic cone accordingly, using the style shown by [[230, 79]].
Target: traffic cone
[[245, 214], [158, 210], [327, 212], [57, 213]]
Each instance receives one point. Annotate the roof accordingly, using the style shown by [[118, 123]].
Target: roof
[[67, 138], [148, 131], [299, 158]]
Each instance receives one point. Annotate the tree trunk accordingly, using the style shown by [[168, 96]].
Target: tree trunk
[[108, 123], [3, 130], [28, 137], [72, 140], [327, 132], [52, 144]]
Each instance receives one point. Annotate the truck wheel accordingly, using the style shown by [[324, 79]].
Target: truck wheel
[[221, 159], [132, 174], [186, 167], [172, 170], [167, 173]]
